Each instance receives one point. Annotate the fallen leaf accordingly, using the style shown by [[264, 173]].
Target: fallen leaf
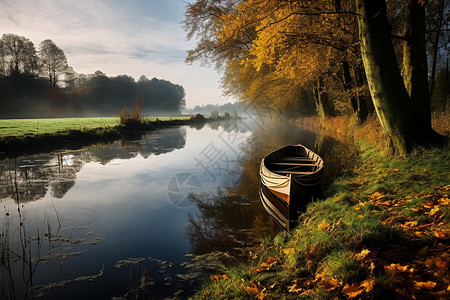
[[352, 291], [361, 255], [444, 201], [296, 287], [440, 233], [434, 211], [330, 284], [219, 277], [288, 251], [360, 205], [323, 225], [265, 266], [372, 267], [251, 290], [376, 196], [429, 285], [435, 261], [206, 294], [368, 285], [395, 269]]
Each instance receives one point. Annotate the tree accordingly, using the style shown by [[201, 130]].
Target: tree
[[290, 44], [53, 60], [437, 35], [398, 117], [415, 69], [18, 55]]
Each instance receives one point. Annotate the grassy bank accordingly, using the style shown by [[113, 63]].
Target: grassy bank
[[381, 232], [31, 127], [29, 136]]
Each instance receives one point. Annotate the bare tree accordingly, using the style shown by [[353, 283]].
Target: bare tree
[[53, 61], [17, 54]]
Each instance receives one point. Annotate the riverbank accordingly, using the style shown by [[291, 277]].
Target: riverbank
[[381, 231], [50, 139]]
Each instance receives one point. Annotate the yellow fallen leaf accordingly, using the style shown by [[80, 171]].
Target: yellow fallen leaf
[[440, 233], [361, 255], [368, 284], [218, 277], [376, 196], [372, 267], [429, 285], [323, 225], [265, 266], [288, 251], [352, 291], [444, 201], [360, 205], [434, 211], [435, 261], [330, 284], [395, 269], [296, 287]]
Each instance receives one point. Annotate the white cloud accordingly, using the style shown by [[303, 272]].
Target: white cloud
[[117, 37]]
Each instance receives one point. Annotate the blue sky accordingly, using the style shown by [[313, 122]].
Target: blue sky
[[134, 37]]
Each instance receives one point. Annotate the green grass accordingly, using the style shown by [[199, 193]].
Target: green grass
[[29, 127], [382, 232]]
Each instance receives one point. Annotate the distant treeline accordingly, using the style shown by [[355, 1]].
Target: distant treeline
[[236, 107], [40, 83]]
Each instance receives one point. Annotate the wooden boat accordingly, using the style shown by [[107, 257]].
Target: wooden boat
[[288, 176]]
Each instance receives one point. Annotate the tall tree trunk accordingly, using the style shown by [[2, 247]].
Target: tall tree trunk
[[415, 69], [400, 121], [357, 101], [324, 107], [435, 45]]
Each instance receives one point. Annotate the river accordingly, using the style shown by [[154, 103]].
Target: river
[[147, 218]]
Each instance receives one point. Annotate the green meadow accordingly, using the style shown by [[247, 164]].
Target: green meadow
[[31, 127]]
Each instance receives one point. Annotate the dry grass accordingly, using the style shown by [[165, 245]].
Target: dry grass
[[371, 132], [344, 127]]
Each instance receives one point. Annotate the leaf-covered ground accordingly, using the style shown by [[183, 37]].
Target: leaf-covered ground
[[382, 231]]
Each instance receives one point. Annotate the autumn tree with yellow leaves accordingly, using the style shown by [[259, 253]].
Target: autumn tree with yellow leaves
[[269, 50]]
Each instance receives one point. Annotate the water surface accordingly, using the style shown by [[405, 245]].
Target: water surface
[[109, 220]]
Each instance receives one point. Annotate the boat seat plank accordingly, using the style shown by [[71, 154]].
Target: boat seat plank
[[292, 172], [292, 158], [293, 164]]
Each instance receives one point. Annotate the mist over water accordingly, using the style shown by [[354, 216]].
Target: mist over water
[[113, 217]]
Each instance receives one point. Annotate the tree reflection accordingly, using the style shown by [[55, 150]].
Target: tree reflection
[[234, 218], [31, 178]]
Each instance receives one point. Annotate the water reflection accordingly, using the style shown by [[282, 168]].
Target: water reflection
[[109, 203], [233, 218], [29, 178]]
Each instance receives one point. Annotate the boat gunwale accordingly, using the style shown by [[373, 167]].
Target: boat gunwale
[[310, 156]]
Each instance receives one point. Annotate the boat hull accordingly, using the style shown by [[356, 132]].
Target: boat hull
[[290, 178]]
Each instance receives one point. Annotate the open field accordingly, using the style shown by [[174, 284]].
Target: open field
[[27, 127]]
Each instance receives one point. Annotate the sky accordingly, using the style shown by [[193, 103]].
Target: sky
[[132, 37]]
